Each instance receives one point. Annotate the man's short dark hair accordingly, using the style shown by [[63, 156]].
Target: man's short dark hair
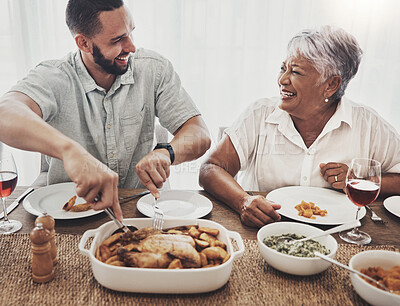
[[82, 16]]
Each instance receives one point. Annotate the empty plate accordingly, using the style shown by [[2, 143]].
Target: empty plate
[[176, 204]]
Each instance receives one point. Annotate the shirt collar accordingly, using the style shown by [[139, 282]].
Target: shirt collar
[[277, 116], [343, 113], [88, 82], [127, 77]]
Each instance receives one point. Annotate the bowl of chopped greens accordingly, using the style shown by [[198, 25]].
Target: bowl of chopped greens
[[296, 258]]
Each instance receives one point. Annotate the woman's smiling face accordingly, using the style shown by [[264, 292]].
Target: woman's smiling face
[[300, 87]]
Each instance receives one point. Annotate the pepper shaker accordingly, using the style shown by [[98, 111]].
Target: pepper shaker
[[42, 264], [49, 223]]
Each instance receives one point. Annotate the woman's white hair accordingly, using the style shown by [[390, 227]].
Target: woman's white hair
[[331, 50]]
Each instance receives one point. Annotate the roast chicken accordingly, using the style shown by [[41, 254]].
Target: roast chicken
[[188, 246], [151, 249]]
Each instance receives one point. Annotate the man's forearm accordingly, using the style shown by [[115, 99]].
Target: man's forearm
[[22, 128], [191, 141]]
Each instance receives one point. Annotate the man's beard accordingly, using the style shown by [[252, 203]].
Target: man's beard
[[108, 66]]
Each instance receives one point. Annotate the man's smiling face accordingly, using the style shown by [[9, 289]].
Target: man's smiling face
[[112, 46]]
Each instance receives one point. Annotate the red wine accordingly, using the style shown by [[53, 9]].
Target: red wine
[[362, 192], [8, 181]]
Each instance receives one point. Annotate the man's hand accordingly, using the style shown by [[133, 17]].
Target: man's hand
[[153, 170], [258, 211], [93, 180], [335, 174]]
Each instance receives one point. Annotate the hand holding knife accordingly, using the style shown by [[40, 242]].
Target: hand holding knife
[[16, 202]]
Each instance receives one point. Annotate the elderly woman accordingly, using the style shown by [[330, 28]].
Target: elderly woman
[[306, 137]]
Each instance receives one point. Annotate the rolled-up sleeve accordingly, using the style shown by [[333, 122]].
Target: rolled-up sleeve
[[244, 133], [174, 106], [44, 84], [385, 144]]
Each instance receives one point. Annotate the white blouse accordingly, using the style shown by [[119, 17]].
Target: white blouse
[[273, 154]]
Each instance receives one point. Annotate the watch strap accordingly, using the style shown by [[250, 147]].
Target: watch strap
[[169, 148]]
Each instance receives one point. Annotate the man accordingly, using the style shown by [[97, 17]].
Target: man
[[93, 112]]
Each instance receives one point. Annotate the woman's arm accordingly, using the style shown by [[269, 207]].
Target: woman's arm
[[390, 184], [217, 178]]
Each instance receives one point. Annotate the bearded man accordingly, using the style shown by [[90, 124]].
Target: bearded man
[[93, 112]]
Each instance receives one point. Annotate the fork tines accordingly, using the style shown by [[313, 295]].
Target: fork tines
[[374, 216], [158, 220]]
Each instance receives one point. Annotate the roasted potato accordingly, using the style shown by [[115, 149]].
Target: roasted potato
[[210, 231], [309, 210], [67, 206], [175, 264], [81, 207]]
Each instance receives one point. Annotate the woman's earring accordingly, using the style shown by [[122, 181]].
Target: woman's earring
[[326, 100]]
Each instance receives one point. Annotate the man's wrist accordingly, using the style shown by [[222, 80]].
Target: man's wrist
[[68, 148], [167, 147]]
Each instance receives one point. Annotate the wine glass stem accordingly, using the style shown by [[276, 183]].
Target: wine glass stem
[[4, 209], [358, 210], [355, 230]]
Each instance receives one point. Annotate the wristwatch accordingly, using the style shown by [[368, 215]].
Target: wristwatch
[[169, 148]]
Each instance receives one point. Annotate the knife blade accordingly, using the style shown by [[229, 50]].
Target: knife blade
[[135, 195], [16, 202]]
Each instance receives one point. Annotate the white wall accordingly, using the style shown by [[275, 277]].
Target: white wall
[[227, 52]]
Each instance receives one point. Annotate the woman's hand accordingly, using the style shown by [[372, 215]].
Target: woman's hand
[[257, 211], [335, 174]]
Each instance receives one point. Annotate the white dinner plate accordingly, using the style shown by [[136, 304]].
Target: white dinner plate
[[340, 209], [51, 199], [176, 204], [392, 204]]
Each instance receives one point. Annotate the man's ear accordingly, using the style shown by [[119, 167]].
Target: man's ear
[[83, 43], [333, 85]]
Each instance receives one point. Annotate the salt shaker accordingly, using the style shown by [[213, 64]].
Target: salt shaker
[[49, 223], [42, 264]]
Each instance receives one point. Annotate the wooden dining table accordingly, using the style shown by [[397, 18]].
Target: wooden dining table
[[381, 233], [252, 281]]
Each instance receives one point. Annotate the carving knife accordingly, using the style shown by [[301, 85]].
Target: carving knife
[[16, 202]]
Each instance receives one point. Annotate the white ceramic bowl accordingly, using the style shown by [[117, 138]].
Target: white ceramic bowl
[[292, 264], [130, 279], [371, 294]]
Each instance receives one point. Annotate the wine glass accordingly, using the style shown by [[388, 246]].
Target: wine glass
[[363, 183], [8, 181]]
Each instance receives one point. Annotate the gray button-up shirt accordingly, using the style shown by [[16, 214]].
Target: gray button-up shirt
[[116, 127]]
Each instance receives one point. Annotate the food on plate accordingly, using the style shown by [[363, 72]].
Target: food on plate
[[176, 248], [67, 206], [309, 209], [80, 207], [301, 249], [70, 206], [390, 278]]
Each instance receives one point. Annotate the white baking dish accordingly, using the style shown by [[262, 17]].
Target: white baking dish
[[130, 279]]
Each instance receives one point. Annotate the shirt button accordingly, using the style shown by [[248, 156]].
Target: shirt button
[[304, 178], [108, 126], [111, 155]]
